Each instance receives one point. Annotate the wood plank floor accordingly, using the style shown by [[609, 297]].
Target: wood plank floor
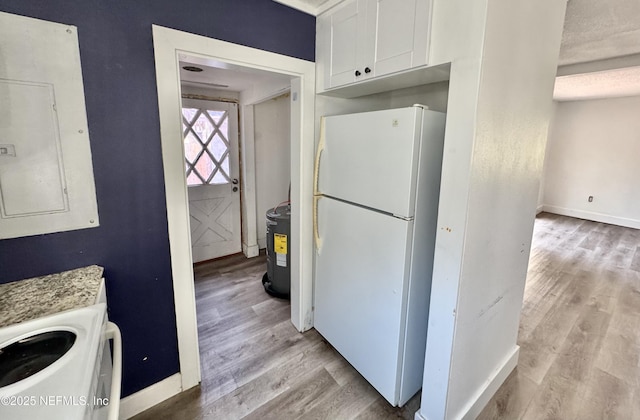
[[579, 341], [580, 326], [255, 365]]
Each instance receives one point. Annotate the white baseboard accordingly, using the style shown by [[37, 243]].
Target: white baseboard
[[419, 416], [596, 217], [262, 243], [539, 209], [150, 396], [250, 251], [477, 404]]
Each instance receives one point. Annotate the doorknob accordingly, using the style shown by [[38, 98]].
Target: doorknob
[[235, 181]]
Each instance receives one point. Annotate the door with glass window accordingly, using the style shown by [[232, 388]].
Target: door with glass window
[[210, 134]]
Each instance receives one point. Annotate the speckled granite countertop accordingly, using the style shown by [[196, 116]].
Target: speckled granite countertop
[[24, 300]]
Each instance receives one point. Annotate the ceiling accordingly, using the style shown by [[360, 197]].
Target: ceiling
[[235, 79], [597, 30], [600, 50], [597, 33]]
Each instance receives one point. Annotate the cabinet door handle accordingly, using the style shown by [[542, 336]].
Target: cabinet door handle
[[367, 70], [358, 73]]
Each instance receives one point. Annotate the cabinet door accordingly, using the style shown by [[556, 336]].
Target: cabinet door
[[343, 44], [401, 34]]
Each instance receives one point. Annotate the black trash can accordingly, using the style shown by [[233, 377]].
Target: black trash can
[[277, 279]]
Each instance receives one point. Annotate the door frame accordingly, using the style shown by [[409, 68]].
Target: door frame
[[168, 45]]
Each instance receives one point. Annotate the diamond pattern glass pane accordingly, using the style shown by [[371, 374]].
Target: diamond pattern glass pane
[[219, 178], [193, 179], [205, 166], [224, 127], [217, 116], [203, 128], [189, 113], [217, 147], [191, 147], [225, 165]]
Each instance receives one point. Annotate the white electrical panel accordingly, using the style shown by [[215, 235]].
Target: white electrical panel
[[46, 173]]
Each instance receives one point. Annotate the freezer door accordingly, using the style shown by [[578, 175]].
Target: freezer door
[[371, 159], [360, 289]]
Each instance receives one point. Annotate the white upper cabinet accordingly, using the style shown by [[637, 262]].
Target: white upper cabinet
[[363, 39]]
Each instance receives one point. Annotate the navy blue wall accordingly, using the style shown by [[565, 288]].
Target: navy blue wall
[[120, 89]]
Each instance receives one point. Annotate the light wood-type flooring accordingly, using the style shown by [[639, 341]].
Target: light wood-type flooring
[[579, 338], [580, 326]]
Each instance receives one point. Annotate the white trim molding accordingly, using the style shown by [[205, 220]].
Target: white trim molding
[[596, 217], [169, 45], [491, 386], [150, 396], [250, 251], [309, 8]]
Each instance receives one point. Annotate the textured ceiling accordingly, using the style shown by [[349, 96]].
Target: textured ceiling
[[600, 29]]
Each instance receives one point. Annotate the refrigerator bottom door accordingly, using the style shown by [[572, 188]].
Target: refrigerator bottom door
[[361, 277]]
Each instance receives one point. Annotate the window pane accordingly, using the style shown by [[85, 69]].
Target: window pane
[[219, 178], [217, 116], [192, 179], [225, 166], [205, 166], [191, 147], [199, 125], [189, 113], [224, 127], [217, 147], [203, 128]]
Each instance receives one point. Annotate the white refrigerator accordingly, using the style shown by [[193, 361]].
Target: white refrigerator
[[377, 188]]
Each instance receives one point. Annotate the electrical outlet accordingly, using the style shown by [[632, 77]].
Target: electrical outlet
[[590, 199]]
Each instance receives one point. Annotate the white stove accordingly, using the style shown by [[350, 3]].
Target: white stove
[[80, 384]]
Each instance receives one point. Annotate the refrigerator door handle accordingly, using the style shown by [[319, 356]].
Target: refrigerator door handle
[[316, 193], [316, 172], [316, 233]]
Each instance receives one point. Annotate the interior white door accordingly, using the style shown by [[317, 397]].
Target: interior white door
[[210, 131]]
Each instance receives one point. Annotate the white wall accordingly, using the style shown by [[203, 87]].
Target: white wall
[[504, 56], [539, 208], [252, 220], [272, 129], [593, 149]]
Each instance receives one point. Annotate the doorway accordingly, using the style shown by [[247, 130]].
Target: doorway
[[169, 46]]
